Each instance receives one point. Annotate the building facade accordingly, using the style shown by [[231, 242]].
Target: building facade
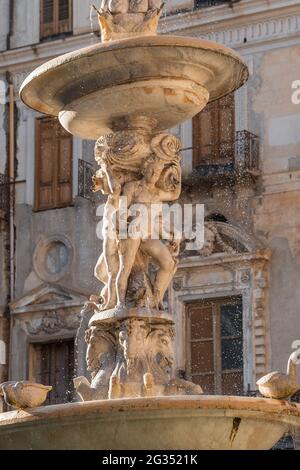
[[235, 301]]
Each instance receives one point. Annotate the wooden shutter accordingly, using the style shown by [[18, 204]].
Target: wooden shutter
[[64, 16], [54, 150], [56, 17], [45, 163], [64, 167], [53, 364], [215, 345], [214, 133], [201, 338], [47, 18]]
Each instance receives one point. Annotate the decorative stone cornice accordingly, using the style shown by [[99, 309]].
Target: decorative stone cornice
[[249, 22], [54, 322], [47, 298]]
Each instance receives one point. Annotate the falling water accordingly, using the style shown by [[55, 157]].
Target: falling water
[[93, 33]]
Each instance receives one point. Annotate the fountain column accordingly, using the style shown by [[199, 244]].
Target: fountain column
[[130, 337]]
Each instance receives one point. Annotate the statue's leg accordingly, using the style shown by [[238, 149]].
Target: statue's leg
[[167, 266], [100, 273], [111, 258], [127, 252]]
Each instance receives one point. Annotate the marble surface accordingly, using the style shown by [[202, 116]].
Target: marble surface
[[200, 422], [165, 77]]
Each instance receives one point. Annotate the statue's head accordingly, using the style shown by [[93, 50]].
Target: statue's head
[[160, 347], [132, 338], [100, 182], [99, 343], [153, 169]]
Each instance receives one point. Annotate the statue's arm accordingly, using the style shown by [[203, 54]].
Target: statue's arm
[[166, 196], [113, 183]]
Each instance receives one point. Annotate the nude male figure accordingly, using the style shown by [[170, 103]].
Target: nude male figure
[[146, 192]]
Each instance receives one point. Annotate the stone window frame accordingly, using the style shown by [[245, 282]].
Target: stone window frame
[[216, 337], [249, 280], [40, 253], [35, 321]]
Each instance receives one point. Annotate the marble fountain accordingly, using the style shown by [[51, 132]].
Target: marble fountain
[[126, 92]]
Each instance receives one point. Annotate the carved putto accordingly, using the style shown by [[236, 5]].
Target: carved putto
[[135, 268], [125, 18]]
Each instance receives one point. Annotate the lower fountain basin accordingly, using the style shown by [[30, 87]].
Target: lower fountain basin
[[158, 423]]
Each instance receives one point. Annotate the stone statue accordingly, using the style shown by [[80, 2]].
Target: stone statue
[[106, 269], [130, 338], [146, 192], [279, 385], [100, 358], [159, 182], [24, 394], [125, 18]]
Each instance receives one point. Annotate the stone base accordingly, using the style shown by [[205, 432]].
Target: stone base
[[130, 354]]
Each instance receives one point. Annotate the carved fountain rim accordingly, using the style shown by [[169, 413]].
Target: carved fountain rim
[[29, 86], [206, 405]]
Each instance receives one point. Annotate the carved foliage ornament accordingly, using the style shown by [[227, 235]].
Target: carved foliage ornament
[[53, 322]]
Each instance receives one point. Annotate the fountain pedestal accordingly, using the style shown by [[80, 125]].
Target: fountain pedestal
[[136, 353]]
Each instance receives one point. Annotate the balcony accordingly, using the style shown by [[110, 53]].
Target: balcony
[[240, 160], [85, 173]]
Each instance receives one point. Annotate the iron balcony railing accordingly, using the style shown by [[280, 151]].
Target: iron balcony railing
[[239, 159], [85, 174]]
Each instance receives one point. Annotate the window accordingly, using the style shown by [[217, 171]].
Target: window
[[214, 133], [53, 364], [56, 17], [215, 345], [54, 147]]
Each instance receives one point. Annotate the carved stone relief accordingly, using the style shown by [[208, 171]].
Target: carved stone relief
[[125, 18], [134, 357]]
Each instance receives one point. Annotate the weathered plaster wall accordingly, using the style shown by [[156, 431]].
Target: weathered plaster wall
[[26, 23], [280, 118], [276, 214], [4, 23], [277, 217], [78, 225]]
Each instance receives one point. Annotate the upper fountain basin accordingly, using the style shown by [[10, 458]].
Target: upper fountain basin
[[168, 78]]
